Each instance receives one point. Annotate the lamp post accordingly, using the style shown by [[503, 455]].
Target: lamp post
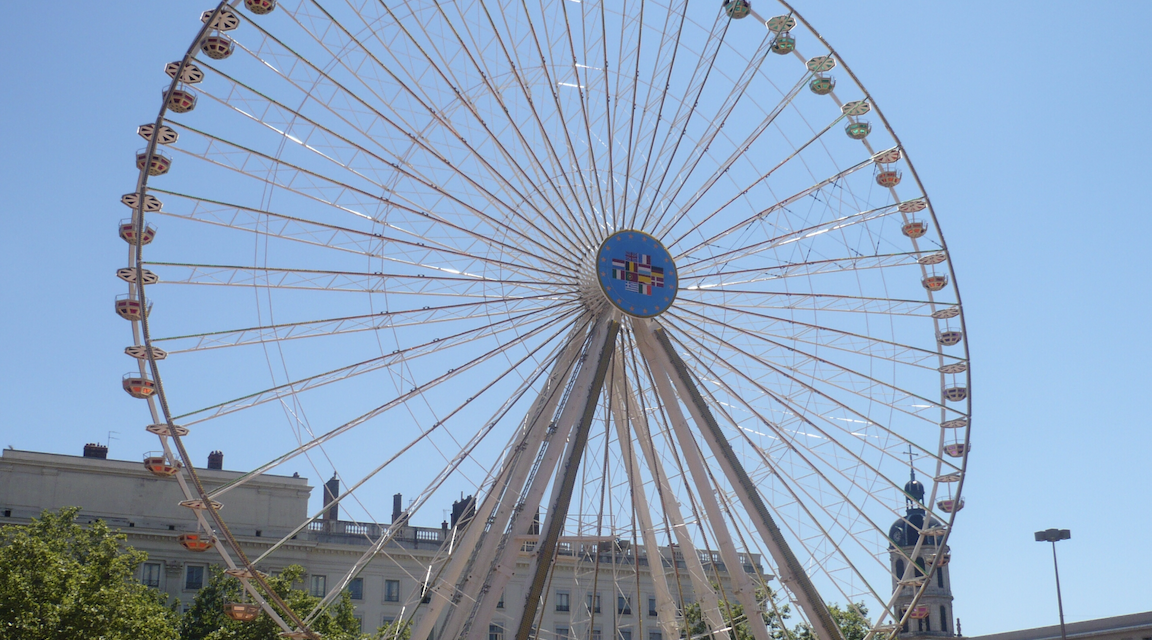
[[1052, 535]]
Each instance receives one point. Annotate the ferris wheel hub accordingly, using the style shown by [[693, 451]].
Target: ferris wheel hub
[[636, 273]]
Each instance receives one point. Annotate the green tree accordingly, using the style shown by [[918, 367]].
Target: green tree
[[394, 631], [61, 580], [852, 620], [733, 613], [206, 619]]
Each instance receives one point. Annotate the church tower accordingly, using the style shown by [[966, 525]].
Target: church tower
[[932, 616]]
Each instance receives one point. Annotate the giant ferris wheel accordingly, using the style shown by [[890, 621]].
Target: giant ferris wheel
[[654, 274]]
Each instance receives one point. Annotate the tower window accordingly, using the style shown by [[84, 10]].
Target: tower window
[[899, 569], [940, 578], [943, 618]]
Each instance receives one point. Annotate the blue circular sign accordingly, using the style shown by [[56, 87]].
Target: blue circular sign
[[637, 274]]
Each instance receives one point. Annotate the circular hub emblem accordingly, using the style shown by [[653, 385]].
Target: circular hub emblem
[[637, 274]]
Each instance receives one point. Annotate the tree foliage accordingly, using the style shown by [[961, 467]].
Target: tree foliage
[[206, 619], [396, 630], [733, 613], [852, 620], [61, 580]]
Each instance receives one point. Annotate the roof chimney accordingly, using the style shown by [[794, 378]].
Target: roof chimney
[[95, 450], [462, 511], [216, 460], [396, 501], [331, 491]]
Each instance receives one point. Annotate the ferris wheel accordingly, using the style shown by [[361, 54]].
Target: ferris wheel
[[654, 279]]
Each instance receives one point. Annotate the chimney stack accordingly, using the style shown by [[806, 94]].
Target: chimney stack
[[331, 492], [216, 460], [462, 511], [95, 450], [534, 528], [396, 510]]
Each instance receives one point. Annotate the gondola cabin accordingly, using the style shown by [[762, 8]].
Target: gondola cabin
[[242, 611], [157, 464], [195, 541], [128, 232], [914, 228], [137, 386]]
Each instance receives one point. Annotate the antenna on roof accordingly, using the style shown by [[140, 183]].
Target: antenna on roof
[[111, 438]]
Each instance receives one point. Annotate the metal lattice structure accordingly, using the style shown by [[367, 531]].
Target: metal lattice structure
[[642, 275]]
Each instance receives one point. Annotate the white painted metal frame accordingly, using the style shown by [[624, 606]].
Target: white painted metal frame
[[498, 192]]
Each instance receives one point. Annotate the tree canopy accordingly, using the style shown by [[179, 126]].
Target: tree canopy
[[733, 612], [61, 580], [853, 620], [206, 619]]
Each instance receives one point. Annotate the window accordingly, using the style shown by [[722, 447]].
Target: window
[[654, 635], [596, 634], [318, 586], [386, 620], [495, 632], [356, 588], [500, 604], [589, 601], [652, 607], [150, 574], [943, 618], [940, 579], [359, 621], [899, 570], [624, 606], [193, 577], [562, 602], [391, 591], [561, 633], [425, 593], [625, 634]]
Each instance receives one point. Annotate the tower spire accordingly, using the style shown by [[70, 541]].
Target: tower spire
[[914, 490]]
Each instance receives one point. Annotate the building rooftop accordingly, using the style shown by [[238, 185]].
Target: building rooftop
[[1137, 626]]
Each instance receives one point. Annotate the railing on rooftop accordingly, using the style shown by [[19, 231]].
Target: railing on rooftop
[[616, 551]]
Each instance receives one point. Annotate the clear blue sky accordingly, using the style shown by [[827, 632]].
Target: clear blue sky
[[1028, 123]]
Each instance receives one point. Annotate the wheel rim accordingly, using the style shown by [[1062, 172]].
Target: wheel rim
[[477, 216]]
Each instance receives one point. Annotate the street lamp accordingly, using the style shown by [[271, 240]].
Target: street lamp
[[1052, 535]]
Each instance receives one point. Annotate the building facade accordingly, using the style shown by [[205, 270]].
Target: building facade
[[1134, 626], [583, 600]]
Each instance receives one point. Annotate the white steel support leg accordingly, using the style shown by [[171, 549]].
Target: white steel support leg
[[498, 505], [701, 585], [743, 588], [578, 412], [490, 573], [666, 609], [792, 574]]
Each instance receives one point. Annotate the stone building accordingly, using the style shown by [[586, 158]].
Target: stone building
[[1134, 626], [263, 511]]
